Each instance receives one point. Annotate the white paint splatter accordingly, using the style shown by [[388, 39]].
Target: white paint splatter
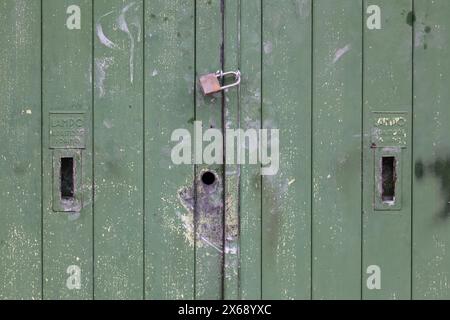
[[123, 25], [135, 22], [101, 35], [154, 73], [231, 250], [303, 8], [268, 47], [419, 38], [340, 52], [107, 123], [211, 244], [101, 66]]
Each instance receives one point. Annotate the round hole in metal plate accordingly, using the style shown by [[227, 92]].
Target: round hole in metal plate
[[208, 178]]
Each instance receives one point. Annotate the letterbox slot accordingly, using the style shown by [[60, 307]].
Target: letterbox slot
[[67, 178], [388, 178]]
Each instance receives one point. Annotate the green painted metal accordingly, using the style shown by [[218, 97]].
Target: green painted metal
[[387, 88], [118, 150], [231, 119], [431, 234], [169, 189], [336, 127], [208, 208], [20, 155], [250, 64], [94, 208], [286, 105], [66, 89]]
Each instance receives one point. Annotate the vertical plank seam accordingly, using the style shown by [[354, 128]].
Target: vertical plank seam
[[194, 219], [224, 189], [42, 150], [143, 152], [92, 143], [362, 149], [311, 154], [261, 126], [412, 142], [238, 40]]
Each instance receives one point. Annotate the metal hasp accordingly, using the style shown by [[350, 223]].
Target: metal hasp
[[210, 82]]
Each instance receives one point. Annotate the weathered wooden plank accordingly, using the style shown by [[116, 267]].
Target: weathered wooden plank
[[250, 174], [20, 150], [209, 196], [286, 105], [387, 90], [431, 234], [169, 187], [336, 241], [67, 89], [118, 149]]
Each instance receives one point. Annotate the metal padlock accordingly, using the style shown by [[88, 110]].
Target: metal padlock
[[210, 82]]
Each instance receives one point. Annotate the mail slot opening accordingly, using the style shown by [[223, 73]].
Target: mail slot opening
[[388, 178], [208, 178], [67, 183]]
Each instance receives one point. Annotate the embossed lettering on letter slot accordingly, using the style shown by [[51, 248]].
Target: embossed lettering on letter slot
[[67, 130]]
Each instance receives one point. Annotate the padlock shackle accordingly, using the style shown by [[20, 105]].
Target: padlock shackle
[[236, 74]]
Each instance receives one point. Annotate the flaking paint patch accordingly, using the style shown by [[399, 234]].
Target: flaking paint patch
[[232, 219], [186, 198], [209, 215]]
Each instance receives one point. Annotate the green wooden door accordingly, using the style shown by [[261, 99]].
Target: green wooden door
[[352, 95]]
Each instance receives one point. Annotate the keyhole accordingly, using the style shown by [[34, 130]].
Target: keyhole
[[66, 183], [208, 178]]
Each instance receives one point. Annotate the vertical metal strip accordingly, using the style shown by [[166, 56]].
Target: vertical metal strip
[[222, 66], [362, 140], [412, 144], [311, 150], [261, 126], [93, 143], [238, 46], [144, 185], [42, 156], [195, 209]]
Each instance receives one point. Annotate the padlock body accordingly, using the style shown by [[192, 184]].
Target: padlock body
[[210, 84]]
